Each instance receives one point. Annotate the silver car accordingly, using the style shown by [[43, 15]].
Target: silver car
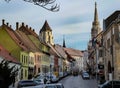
[[110, 84], [59, 85], [50, 86]]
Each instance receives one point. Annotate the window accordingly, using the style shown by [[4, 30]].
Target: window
[[25, 72], [105, 48], [38, 70], [108, 43], [113, 30], [100, 53], [24, 59], [21, 73]]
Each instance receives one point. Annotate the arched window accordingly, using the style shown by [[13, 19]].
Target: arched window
[[109, 67]]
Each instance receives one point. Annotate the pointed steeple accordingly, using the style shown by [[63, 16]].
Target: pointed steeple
[[64, 41], [95, 22], [45, 34], [95, 25], [45, 27], [96, 13]]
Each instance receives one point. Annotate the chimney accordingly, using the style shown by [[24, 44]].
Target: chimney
[[30, 28], [17, 25], [22, 23], [33, 30], [7, 24], [27, 26], [3, 22], [10, 26]]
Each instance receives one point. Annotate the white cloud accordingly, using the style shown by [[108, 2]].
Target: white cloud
[[74, 18], [74, 28]]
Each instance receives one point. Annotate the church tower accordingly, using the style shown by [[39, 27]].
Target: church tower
[[45, 34], [95, 25], [64, 42]]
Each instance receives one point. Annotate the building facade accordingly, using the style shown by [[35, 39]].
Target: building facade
[[111, 42]]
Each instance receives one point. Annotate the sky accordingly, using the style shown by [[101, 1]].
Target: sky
[[73, 20]]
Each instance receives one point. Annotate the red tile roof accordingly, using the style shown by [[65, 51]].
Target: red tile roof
[[27, 42], [6, 55], [28, 31], [73, 52], [53, 50], [14, 36], [60, 50]]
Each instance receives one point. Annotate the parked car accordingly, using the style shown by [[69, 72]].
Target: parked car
[[59, 85], [110, 84], [39, 79], [85, 75], [52, 78], [75, 71], [50, 86], [42, 79], [25, 83]]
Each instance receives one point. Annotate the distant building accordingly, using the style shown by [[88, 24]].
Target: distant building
[[77, 55], [85, 60]]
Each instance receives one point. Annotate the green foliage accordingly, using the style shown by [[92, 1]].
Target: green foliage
[[7, 73]]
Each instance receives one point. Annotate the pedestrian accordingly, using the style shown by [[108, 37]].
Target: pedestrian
[[13, 81]]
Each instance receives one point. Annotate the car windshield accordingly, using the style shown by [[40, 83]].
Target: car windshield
[[59, 86], [27, 81], [50, 87], [86, 74]]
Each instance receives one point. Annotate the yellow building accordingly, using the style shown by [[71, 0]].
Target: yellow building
[[24, 61]]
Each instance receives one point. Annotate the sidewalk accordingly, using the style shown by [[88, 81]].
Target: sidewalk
[[11, 86]]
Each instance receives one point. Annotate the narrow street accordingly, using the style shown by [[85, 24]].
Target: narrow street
[[78, 82]]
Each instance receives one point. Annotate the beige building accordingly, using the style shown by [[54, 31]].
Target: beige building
[[111, 43], [45, 34], [77, 55]]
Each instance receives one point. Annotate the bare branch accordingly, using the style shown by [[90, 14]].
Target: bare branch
[[7, 0], [44, 4]]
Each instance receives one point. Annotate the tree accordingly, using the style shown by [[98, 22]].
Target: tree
[[7, 74], [46, 4]]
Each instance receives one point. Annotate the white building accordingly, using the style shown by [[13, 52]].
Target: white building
[[77, 55]]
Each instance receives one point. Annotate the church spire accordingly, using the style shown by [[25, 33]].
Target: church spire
[[64, 41], [96, 13], [95, 25]]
